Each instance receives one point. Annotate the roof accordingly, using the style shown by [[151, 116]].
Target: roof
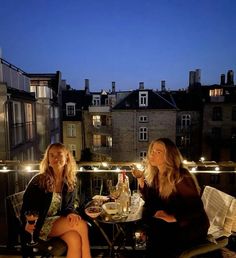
[[156, 100]]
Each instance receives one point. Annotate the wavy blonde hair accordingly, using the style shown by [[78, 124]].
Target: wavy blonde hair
[[69, 175], [165, 184]]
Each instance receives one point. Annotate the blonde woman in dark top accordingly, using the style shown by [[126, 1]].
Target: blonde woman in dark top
[[51, 193], [173, 210]]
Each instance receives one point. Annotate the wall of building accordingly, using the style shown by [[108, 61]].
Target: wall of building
[[125, 126]]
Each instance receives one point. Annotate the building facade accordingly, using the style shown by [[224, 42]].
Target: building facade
[[18, 137]]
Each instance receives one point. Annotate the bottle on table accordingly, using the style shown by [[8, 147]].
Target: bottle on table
[[125, 193]]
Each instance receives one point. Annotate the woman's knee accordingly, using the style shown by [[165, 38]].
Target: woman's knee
[[72, 238], [82, 226]]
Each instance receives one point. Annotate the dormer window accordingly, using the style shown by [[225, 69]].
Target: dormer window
[[143, 98], [96, 100], [70, 109], [216, 92]]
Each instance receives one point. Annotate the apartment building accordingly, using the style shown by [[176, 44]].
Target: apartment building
[[18, 137], [75, 102], [219, 122], [142, 116], [47, 89]]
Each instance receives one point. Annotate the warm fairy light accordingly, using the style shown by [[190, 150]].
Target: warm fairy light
[[28, 168], [105, 164], [202, 159]]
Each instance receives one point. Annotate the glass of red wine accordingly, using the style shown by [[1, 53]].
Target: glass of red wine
[[31, 218]]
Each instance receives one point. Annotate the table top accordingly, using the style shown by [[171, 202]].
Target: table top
[[114, 219]]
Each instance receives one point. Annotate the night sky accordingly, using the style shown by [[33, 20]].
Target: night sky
[[126, 41]]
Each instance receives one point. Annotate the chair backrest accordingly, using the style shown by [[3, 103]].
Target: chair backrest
[[14, 202], [221, 210]]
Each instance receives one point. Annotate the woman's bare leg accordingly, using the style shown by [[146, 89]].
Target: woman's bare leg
[[73, 241], [61, 226]]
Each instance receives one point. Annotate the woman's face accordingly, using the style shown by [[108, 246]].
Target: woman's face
[[57, 158], [157, 155]]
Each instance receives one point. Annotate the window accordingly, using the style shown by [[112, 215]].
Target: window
[[143, 98], [185, 140], [217, 114], [234, 113], [109, 141], [71, 130], [143, 119], [143, 134], [70, 109], [233, 134], [142, 155], [17, 123], [185, 120], [97, 121], [72, 148], [29, 121], [96, 100], [216, 133], [96, 140], [216, 92]]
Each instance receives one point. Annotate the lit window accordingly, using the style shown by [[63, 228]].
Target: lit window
[[109, 141], [143, 134], [143, 98], [96, 121], [96, 140], [216, 92]]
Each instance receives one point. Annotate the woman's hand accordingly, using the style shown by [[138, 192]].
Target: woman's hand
[[165, 216], [73, 219]]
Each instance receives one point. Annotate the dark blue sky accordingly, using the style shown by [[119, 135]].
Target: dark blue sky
[[126, 41]]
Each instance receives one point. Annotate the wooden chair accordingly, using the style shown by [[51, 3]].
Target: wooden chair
[[221, 210], [53, 247]]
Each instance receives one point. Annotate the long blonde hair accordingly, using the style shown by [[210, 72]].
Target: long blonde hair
[[173, 164], [48, 180]]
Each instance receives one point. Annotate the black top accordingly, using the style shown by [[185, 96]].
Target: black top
[[184, 204]]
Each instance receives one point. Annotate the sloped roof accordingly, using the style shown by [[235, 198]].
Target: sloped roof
[[156, 100]]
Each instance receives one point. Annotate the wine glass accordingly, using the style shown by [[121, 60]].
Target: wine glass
[[138, 169], [93, 209], [31, 218], [114, 192]]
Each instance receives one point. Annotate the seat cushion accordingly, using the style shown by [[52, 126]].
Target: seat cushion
[[204, 248]]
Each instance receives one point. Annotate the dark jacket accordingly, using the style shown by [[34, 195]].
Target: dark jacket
[[184, 204], [36, 198]]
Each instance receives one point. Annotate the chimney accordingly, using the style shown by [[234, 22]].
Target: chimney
[[191, 78], [86, 87], [198, 76], [222, 79], [230, 77], [141, 85], [163, 85], [113, 87]]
